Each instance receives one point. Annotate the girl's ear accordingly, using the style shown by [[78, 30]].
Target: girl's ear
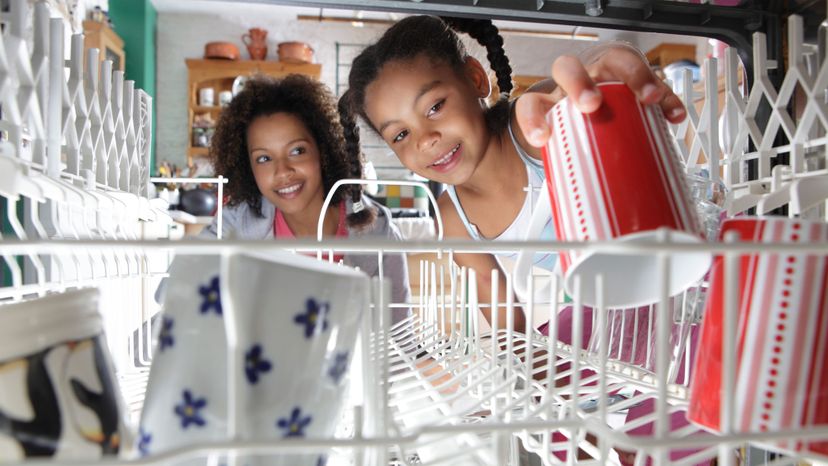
[[479, 79]]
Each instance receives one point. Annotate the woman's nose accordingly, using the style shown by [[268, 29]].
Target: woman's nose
[[282, 169]]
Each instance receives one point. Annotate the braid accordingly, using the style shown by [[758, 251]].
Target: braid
[[353, 156], [487, 35], [436, 38]]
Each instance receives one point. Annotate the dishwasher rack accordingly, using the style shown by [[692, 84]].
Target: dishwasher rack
[[438, 388]]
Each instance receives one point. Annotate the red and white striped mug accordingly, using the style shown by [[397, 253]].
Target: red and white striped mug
[[781, 378], [615, 174]]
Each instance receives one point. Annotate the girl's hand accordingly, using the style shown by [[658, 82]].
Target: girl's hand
[[576, 80]]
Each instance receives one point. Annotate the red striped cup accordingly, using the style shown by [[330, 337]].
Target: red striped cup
[[614, 174], [781, 378]]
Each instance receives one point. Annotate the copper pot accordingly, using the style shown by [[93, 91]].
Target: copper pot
[[224, 50], [295, 52]]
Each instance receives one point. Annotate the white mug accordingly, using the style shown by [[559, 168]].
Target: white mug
[[59, 397], [206, 97], [225, 97], [296, 322]]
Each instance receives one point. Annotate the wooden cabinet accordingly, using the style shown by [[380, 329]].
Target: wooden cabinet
[[219, 76], [664, 54], [520, 82], [98, 35]]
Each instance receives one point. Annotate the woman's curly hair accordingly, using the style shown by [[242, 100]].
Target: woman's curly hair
[[315, 106]]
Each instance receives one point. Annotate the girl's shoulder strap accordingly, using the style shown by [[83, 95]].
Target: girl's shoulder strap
[[473, 233], [535, 165]]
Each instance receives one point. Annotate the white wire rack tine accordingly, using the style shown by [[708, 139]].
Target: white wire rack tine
[[510, 329], [494, 318], [662, 424], [603, 351], [433, 299], [530, 346], [422, 288], [443, 334], [575, 372], [729, 339]]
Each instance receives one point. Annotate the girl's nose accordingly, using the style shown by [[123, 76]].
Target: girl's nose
[[428, 140]]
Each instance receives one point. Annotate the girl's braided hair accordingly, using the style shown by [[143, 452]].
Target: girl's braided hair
[[314, 105], [436, 38]]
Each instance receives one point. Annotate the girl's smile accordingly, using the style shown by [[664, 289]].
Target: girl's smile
[[449, 161], [430, 115]]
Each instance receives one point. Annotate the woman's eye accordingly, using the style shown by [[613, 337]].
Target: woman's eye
[[297, 151], [436, 107], [263, 159], [399, 137]]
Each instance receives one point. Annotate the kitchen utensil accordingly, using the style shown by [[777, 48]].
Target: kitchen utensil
[[781, 340], [225, 97], [295, 321], [614, 175], [223, 50], [238, 84], [206, 97], [59, 397], [295, 52], [256, 41], [198, 201]]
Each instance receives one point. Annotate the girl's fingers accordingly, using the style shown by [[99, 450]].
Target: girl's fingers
[[578, 83], [530, 112], [574, 80], [673, 109], [628, 67], [616, 64]]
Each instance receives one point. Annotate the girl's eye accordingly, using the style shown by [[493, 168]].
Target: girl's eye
[[436, 107], [399, 137], [297, 151], [263, 159]]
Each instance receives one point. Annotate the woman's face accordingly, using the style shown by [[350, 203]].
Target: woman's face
[[431, 116], [286, 163]]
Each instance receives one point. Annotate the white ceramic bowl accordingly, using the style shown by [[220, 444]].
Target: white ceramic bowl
[[296, 321]]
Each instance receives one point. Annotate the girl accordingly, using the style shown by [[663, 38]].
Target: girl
[[425, 96], [281, 145]]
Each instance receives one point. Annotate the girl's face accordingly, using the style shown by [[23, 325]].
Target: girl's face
[[286, 163], [431, 116]]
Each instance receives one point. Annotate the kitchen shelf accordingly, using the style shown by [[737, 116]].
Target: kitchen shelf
[[220, 75], [193, 152], [734, 25]]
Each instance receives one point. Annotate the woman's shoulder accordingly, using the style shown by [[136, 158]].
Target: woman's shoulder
[[243, 222], [381, 225]]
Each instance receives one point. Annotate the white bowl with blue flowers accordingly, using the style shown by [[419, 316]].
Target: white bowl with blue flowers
[[296, 322]]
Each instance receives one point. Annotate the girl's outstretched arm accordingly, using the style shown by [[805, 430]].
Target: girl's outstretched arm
[[576, 78]]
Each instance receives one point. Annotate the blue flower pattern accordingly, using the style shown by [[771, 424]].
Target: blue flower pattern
[[315, 317], [189, 409], [338, 367], [255, 364], [294, 426], [144, 439], [165, 337], [211, 296]]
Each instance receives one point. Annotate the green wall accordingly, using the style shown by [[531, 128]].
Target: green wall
[[135, 22]]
